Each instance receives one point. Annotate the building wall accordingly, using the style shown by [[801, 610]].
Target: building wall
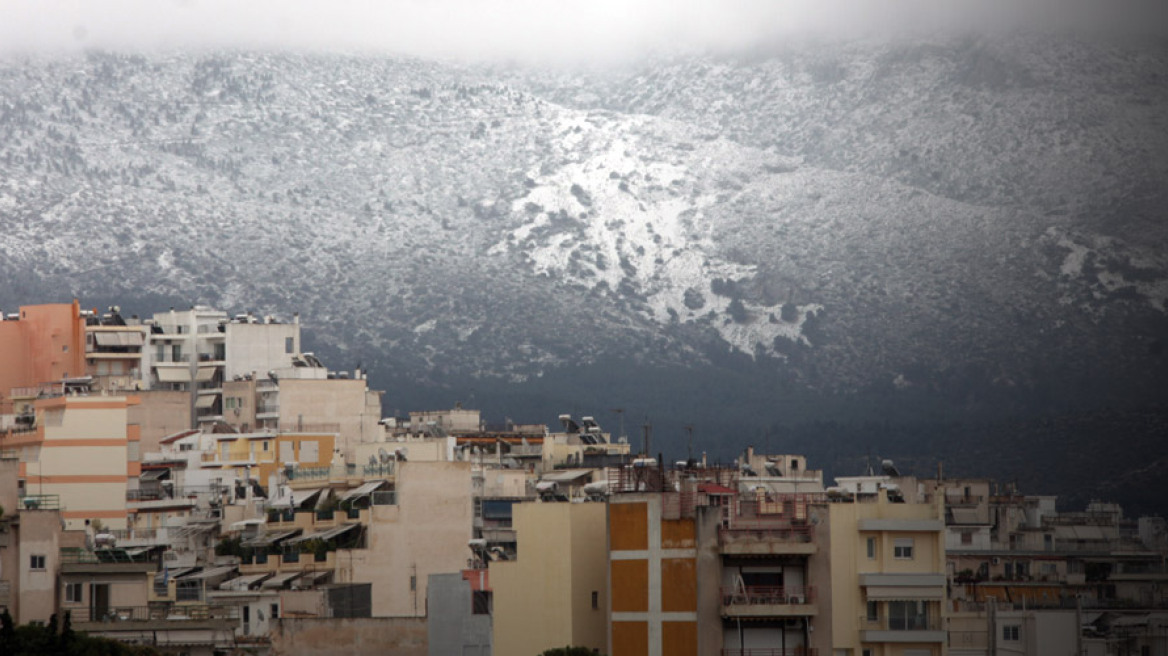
[[260, 347], [159, 414], [452, 626], [39, 535], [343, 406], [81, 452], [401, 636], [425, 533], [544, 598], [46, 344], [653, 578]]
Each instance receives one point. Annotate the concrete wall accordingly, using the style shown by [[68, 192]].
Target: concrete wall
[[453, 627], [400, 636], [346, 405], [39, 535], [425, 533], [543, 599], [259, 347], [159, 414]]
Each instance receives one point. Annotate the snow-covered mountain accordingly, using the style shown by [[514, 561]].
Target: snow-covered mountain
[[972, 226]]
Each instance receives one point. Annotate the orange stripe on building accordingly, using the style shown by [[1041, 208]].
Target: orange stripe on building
[[133, 469], [93, 514], [134, 432], [115, 441]]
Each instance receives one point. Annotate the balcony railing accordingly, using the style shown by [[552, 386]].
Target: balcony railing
[[152, 613], [772, 651], [40, 502], [913, 623], [768, 595]]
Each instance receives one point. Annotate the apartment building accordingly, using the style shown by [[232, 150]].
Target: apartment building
[[38, 344], [888, 583], [555, 591], [82, 452]]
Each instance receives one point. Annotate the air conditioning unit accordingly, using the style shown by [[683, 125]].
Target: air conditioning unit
[[996, 560], [796, 599]]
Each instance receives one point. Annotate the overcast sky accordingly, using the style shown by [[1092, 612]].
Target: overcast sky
[[529, 29]]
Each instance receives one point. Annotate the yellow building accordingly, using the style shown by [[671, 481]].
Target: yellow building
[[79, 454], [555, 593], [888, 577], [266, 454]]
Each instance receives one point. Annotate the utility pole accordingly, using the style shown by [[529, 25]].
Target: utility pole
[[648, 431], [689, 434]]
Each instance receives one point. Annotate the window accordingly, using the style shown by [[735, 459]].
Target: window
[[595, 600], [36, 561], [265, 443], [871, 548], [275, 614], [908, 616], [866, 651], [1011, 633], [902, 549], [289, 345], [73, 593], [413, 583], [967, 537], [873, 611]]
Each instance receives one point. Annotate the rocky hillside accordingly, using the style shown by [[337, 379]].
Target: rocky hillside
[[891, 231]]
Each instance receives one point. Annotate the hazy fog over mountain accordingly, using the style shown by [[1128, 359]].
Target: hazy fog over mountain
[[883, 235]]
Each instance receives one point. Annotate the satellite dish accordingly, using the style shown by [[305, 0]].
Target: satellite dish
[[381, 453]]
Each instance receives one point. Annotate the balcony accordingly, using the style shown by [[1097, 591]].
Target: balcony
[[772, 651], [913, 629], [768, 601], [776, 651], [776, 539], [40, 502]]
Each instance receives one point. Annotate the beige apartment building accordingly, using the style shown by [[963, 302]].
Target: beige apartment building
[[888, 587], [555, 592], [79, 455]]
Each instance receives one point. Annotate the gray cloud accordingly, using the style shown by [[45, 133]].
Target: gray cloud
[[532, 29]]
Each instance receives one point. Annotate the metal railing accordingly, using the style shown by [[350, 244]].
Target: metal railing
[[776, 533], [152, 613], [912, 623], [756, 595], [772, 651], [40, 502]]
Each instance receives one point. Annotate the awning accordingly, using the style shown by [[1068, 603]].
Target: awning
[[205, 401], [279, 580], [153, 474], [243, 582], [172, 573], [204, 374], [565, 475], [965, 516], [270, 539], [120, 338], [907, 593], [363, 491], [322, 535], [310, 579], [244, 523], [209, 573]]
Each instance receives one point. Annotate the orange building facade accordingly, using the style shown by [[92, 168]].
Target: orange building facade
[[45, 344], [653, 579]]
